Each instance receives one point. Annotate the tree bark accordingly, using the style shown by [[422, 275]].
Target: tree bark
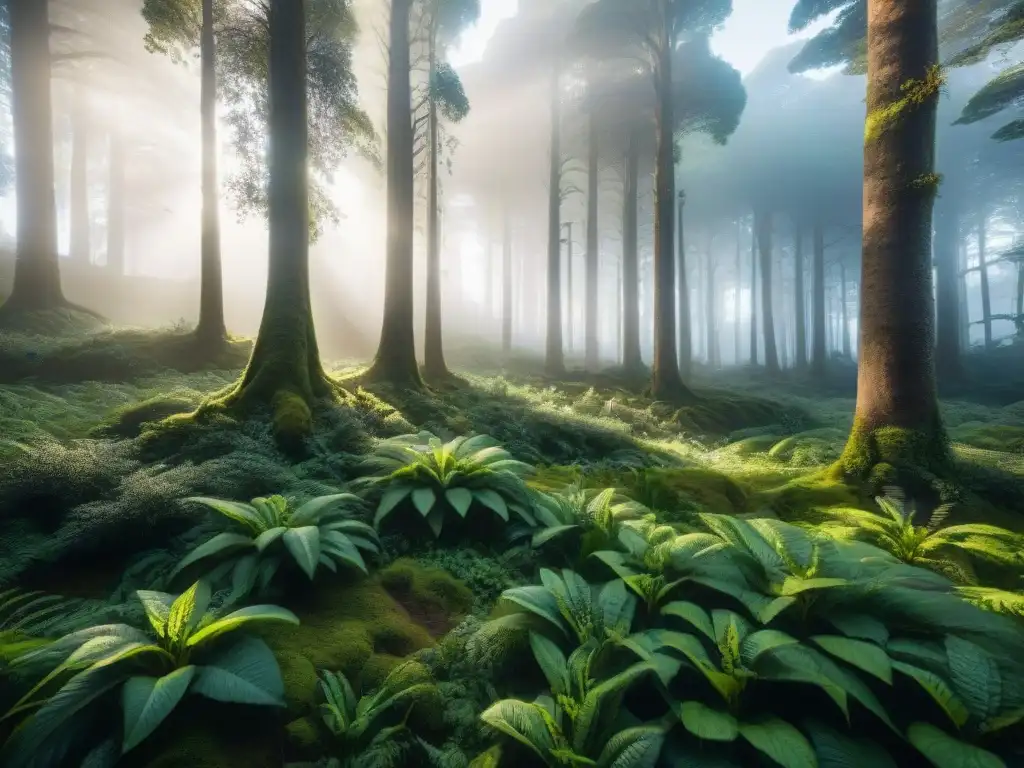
[[897, 419], [800, 313], [211, 328], [632, 360], [986, 295], [570, 294], [763, 224], [506, 285], [116, 203], [434, 366], [80, 246], [710, 326], [819, 354], [554, 362], [666, 383], [753, 291], [683, 325], [395, 362], [946, 249], [591, 348], [37, 266]]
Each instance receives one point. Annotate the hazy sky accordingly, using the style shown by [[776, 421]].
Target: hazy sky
[[755, 27]]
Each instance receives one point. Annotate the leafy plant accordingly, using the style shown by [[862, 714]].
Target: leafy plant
[[931, 545], [318, 532], [458, 476], [581, 723], [175, 654]]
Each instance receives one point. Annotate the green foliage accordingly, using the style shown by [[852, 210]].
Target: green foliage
[[447, 92], [1003, 91], [439, 479], [269, 530], [175, 654]]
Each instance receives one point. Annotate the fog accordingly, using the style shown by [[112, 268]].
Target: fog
[[796, 151]]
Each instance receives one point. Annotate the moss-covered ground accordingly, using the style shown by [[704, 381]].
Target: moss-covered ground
[[92, 477]]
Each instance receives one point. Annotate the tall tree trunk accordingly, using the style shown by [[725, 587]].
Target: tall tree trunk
[[116, 202], [897, 419], [80, 248], [843, 319], [570, 294], [763, 223], [632, 360], [736, 293], [685, 340], [986, 295], [434, 366], [800, 314], [591, 348], [554, 362], [753, 291], [37, 266], [211, 328], [710, 325], [1019, 319], [506, 284], [947, 264], [666, 382], [284, 371], [819, 354], [396, 356], [961, 287]]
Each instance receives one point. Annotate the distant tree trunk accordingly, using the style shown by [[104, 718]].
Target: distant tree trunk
[[763, 224], [666, 382], [210, 329], [434, 366], [80, 247], [506, 285], [843, 319], [986, 296], [947, 264], [753, 291], [736, 293], [684, 324], [632, 360], [819, 354], [284, 371], [800, 314], [116, 202], [961, 286], [570, 295], [591, 348], [554, 355], [897, 419], [396, 356], [710, 326], [37, 266], [1019, 320]]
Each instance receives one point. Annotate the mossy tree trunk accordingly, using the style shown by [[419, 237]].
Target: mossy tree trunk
[[554, 360], [590, 330], [632, 360], [799, 310], [753, 291], [116, 203], [948, 362], [986, 293], [684, 342], [667, 383], [395, 362], [897, 423], [763, 224], [284, 372], [819, 353], [80, 247], [210, 330], [37, 267]]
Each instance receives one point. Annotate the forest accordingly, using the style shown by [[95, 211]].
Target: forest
[[511, 383]]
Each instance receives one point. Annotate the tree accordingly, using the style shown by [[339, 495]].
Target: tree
[[445, 20], [896, 421], [554, 358]]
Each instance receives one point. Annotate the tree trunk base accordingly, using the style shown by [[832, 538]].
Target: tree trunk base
[[916, 460], [16, 308], [394, 372], [671, 390]]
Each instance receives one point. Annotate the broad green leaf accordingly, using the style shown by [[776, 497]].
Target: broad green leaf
[[392, 498], [244, 673], [842, 750], [147, 701], [637, 747], [707, 723], [763, 641], [243, 577], [461, 499], [1003, 720], [341, 547], [945, 751], [183, 614], [435, 519], [937, 688], [424, 499], [219, 544], [523, 722], [602, 700], [268, 537], [304, 545], [240, 617], [493, 500], [782, 742], [693, 614], [242, 513], [158, 607], [617, 606], [311, 512], [975, 676], [536, 600], [545, 535], [859, 653], [767, 613], [552, 663]]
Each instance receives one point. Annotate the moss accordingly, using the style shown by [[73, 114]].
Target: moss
[[797, 499], [292, 420], [720, 414], [750, 445], [915, 93], [911, 458], [305, 738], [128, 421], [992, 437], [429, 589]]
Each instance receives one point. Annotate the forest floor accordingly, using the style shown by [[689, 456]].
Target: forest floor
[[88, 484]]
